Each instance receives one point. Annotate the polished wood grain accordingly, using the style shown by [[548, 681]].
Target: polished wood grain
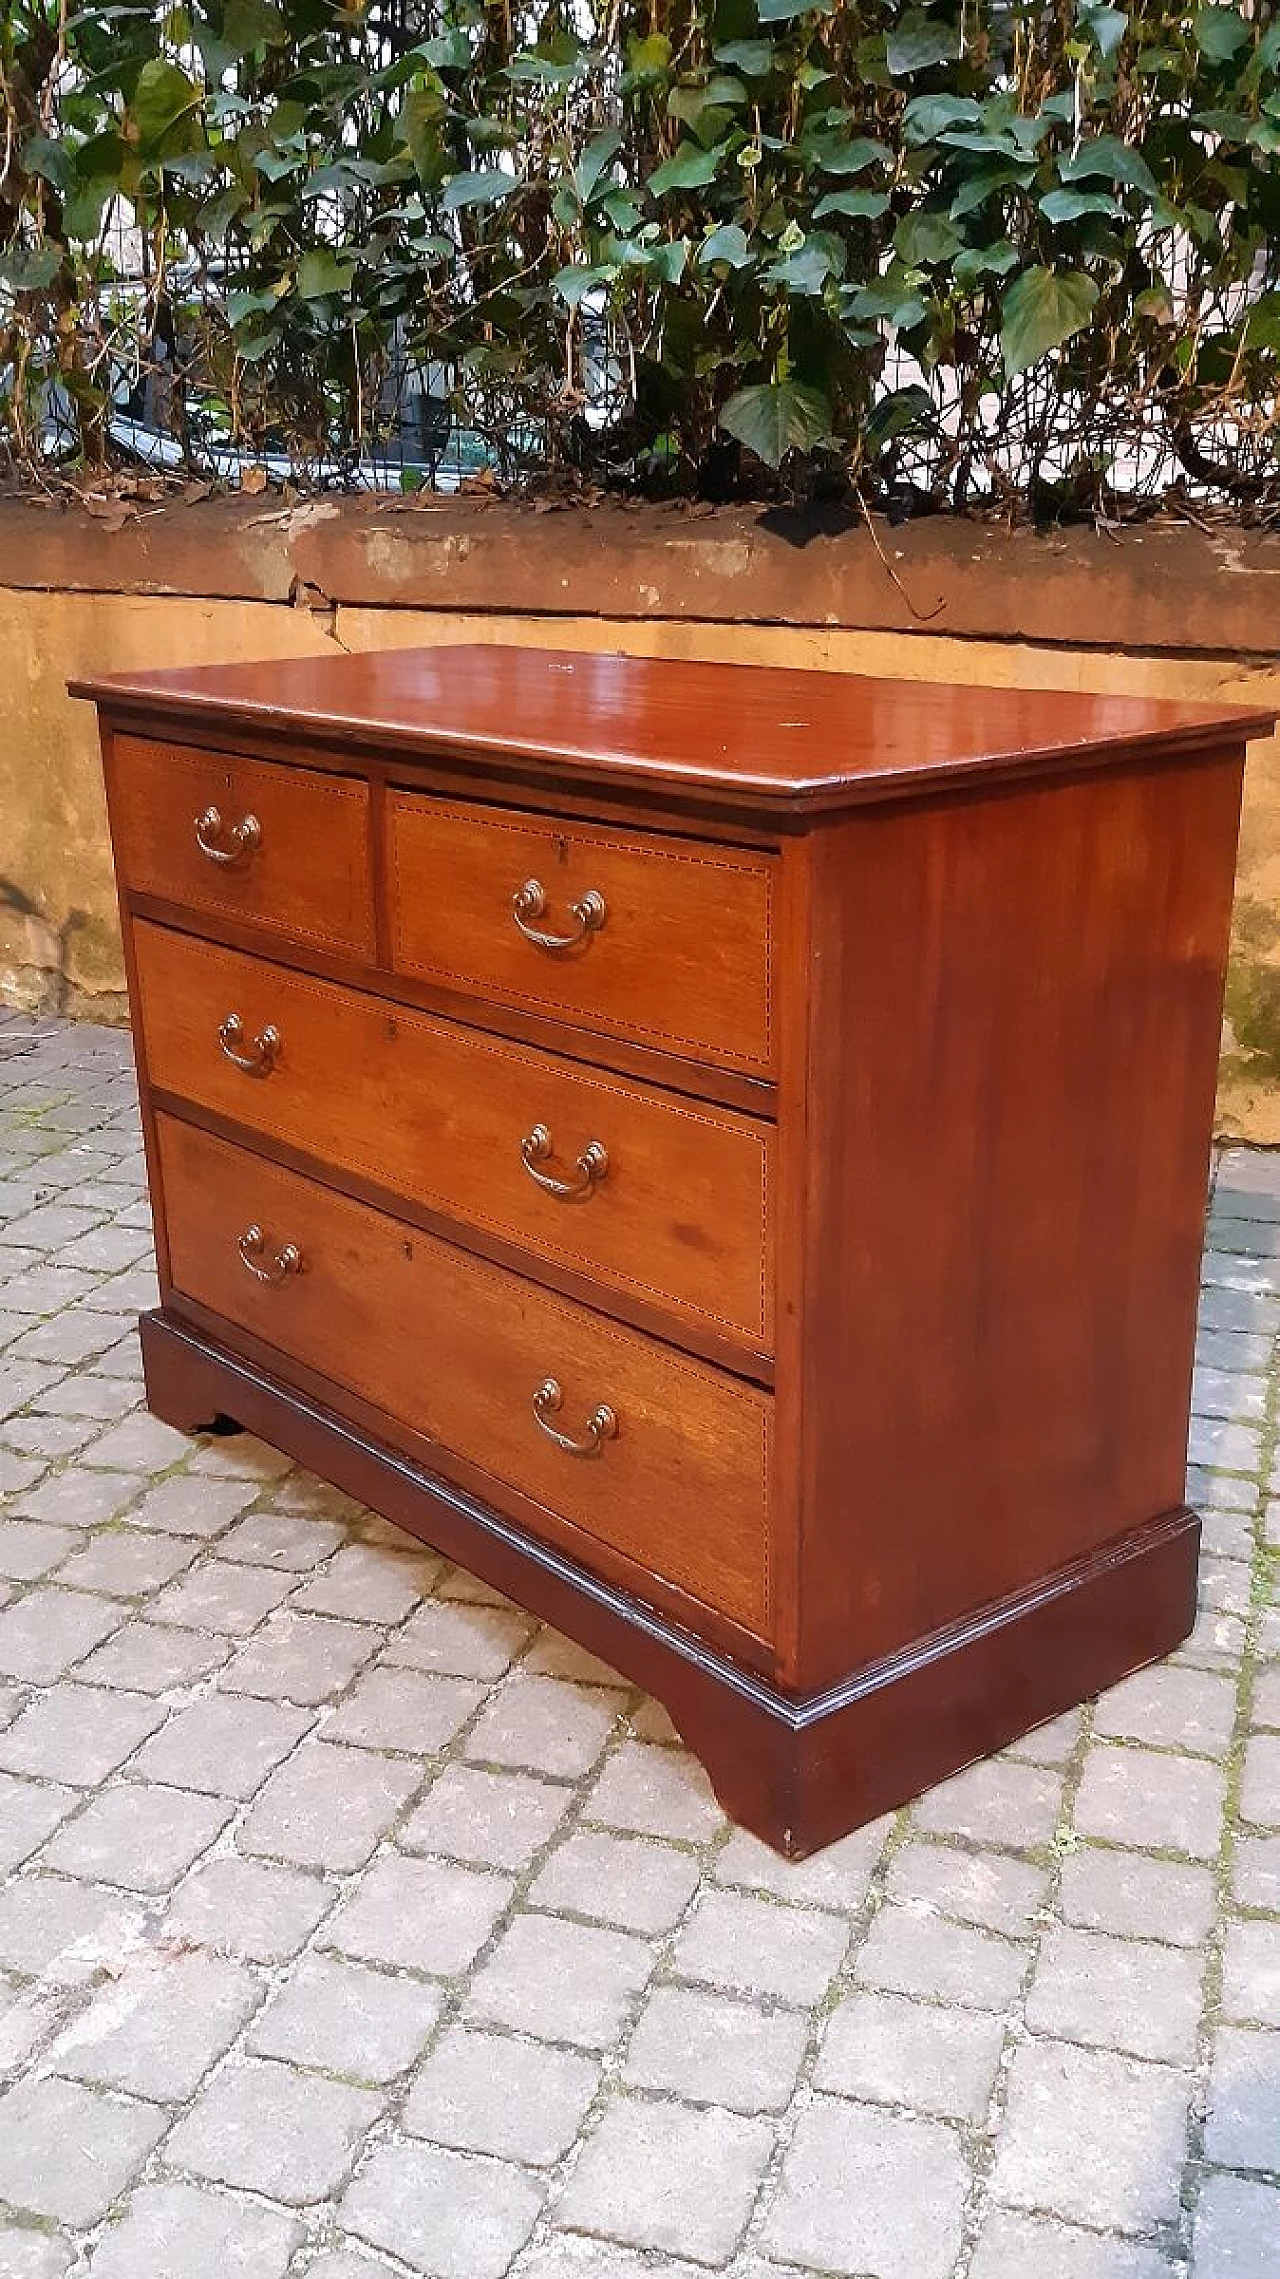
[[776, 740], [682, 961], [433, 1111], [457, 1349], [310, 873]]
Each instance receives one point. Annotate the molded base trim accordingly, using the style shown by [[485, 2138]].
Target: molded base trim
[[798, 1771]]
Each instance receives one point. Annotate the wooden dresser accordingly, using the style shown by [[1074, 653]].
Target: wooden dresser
[[720, 1152]]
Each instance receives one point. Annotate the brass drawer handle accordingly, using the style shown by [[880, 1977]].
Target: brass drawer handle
[[252, 1245], [602, 1424], [243, 838], [261, 1056], [531, 902], [593, 1163]]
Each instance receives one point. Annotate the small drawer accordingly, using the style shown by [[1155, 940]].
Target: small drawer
[[666, 1201], [663, 1460], [633, 934], [280, 847]]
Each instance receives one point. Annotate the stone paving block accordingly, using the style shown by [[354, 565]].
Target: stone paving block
[[1265, 1706], [261, 2126], [125, 1562], [282, 1539], [364, 1583], [1153, 1802], [1228, 1534], [759, 1946], [48, 1630], [461, 1641], [340, 2018], [1136, 1897], [717, 2050], [28, 2017], [997, 1802], [244, 1907], [224, 1745], [1052, 1743], [625, 1880], [655, 1792], [98, 1401], [63, 1931], [30, 1548], [174, 2231], [219, 1596], [238, 1456], [1237, 2229], [565, 1982], [405, 1709], [157, 2029], [142, 1838], [328, 1807], [1256, 1872], [494, 1819], [1221, 1446], [454, 2215], [842, 2203], [1242, 2127], [1224, 1586], [939, 2061], [1251, 1973], [1122, 1994], [905, 1953], [518, 2100], [18, 1473], [29, 1811], [309, 1498], [1097, 2138], [348, 2263], [141, 1444], [566, 2255], [1028, 2247], [75, 1498], [668, 2176], [69, 1337], [66, 2152], [1217, 1642], [299, 1657], [988, 1889], [42, 1290], [37, 1434], [554, 1656], [1221, 1393], [153, 1657], [78, 1734], [424, 1915], [1171, 1708], [543, 1726], [32, 2254], [188, 1503], [837, 1878]]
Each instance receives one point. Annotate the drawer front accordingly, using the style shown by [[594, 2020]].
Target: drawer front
[[664, 943], [284, 848], [457, 1350], [673, 1207]]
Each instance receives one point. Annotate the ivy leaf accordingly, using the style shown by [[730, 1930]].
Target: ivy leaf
[[162, 96], [922, 239], [928, 116], [1262, 328], [1116, 160], [918, 43], [1107, 26], [858, 204], [776, 418], [690, 169], [322, 272], [574, 283], [755, 58], [897, 414], [51, 160], [248, 24], [727, 244], [782, 11], [30, 269], [595, 162], [482, 189], [1072, 205], [1042, 309], [979, 261], [842, 155], [1220, 33]]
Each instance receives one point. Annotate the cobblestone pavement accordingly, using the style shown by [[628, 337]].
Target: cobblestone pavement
[[351, 1924]]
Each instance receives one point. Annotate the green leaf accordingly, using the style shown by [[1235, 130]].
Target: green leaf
[[322, 272], [776, 418], [897, 414], [574, 283], [924, 238], [1070, 205], [782, 11], [727, 244], [842, 155], [689, 169], [1262, 328], [1220, 33], [1107, 26], [1115, 160], [755, 58], [979, 261], [1042, 309], [30, 269], [928, 116], [648, 59], [858, 204], [52, 161], [162, 96], [595, 162], [249, 24], [918, 43], [482, 189]]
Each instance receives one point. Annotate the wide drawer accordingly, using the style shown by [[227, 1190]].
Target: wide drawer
[[281, 847], [633, 934], [672, 1207], [675, 1479]]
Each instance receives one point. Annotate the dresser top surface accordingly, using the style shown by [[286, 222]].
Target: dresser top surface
[[741, 735]]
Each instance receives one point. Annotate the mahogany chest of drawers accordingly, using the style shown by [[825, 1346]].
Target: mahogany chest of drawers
[[719, 1151]]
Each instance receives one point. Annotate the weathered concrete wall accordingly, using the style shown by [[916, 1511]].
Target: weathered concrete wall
[[1166, 611]]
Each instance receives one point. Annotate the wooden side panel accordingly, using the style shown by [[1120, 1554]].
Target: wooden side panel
[[1014, 1020], [310, 873], [455, 1349], [682, 1215], [682, 960]]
